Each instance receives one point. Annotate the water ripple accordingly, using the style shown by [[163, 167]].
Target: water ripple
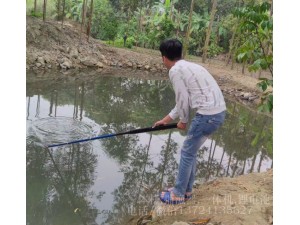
[[54, 130]]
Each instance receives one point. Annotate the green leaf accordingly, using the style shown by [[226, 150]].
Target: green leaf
[[167, 3], [263, 64], [242, 56], [263, 85], [255, 140], [256, 65]]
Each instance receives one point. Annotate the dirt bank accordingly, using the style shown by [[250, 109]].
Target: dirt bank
[[49, 47], [242, 200]]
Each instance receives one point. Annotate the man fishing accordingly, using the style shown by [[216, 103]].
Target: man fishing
[[194, 88]]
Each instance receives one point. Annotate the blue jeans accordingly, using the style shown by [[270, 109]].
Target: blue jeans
[[201, 127]]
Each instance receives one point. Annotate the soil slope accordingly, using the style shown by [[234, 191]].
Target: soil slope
[[242, 200]]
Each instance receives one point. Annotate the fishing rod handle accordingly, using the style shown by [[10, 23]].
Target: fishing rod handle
[[150, 129]]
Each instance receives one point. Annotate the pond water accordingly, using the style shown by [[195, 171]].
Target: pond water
[[111, 180]]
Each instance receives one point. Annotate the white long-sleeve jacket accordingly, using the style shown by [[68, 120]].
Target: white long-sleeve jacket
[[194, 88]]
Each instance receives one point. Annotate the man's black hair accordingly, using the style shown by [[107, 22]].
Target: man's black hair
[[172, 49]]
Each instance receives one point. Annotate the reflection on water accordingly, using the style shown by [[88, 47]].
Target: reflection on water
[[111, 180]]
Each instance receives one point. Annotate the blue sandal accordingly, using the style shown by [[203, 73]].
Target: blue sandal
[[186, 197], [167, 199]]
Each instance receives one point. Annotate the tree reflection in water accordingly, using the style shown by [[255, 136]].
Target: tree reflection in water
[[59, 186], [66, 176]]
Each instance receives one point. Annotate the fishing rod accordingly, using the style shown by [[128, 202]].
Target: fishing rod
[[136, 131]]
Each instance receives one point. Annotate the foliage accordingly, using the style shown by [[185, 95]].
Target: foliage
[[108, 29], [267, 98], [129, 5], [199, 24], [225, 30], [214, 50], [75, 10], [256, 26], [51, 7], [119, 42], [36, 14], [255, 23], [105, 22], [130, 42], [164, 29]]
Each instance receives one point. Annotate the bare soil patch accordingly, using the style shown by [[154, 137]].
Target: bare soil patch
[[242, 200]]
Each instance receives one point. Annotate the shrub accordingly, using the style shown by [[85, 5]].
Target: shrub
[[119, 42], [36, 14], [214, 50]]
